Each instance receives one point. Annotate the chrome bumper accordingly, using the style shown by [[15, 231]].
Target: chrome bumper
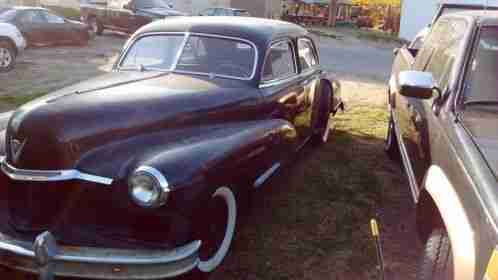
[[47, 259]]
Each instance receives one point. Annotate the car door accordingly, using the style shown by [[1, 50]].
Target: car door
[[284, 94], [309, 78], [416, 119], [56, 28], [33, 27]]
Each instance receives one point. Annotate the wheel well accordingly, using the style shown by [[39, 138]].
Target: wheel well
[[10, 42], [427, 216]]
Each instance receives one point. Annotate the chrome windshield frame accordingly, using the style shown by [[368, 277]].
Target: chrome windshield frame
[[50, 175], [187, 36]]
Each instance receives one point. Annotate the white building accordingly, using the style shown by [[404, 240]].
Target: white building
[[416, 14]]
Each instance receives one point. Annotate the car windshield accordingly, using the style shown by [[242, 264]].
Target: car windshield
[[481, 82], [203, 55], [7, 14], [144, 4]]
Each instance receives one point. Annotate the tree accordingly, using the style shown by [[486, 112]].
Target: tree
[[333, 7]]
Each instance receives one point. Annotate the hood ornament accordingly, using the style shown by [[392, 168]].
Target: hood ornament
[[16, 148]]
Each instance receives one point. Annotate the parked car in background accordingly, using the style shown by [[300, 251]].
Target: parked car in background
[[143, 170], [12, 44], [225, 12], [124, 15], [443, 126], [41, 27]]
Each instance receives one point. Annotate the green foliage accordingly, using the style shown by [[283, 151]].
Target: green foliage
[[377, 2]]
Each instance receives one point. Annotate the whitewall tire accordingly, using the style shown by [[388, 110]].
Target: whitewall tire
[[213, 261]]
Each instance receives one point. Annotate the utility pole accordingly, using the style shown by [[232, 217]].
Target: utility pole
[[332, 13]]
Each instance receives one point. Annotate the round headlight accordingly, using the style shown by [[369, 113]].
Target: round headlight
[[148, 187]]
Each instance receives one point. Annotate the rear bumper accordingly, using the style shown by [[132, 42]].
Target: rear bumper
[[97, 263]]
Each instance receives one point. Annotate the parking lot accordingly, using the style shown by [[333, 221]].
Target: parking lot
[[314, 222]]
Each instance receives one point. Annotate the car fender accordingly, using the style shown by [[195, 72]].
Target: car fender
[[456, 221], [194, 171], [11, 32]]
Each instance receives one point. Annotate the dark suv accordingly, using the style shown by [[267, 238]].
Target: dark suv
[[444, 128]]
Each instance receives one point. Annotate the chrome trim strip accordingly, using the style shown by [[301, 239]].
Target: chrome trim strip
[[262, 179], [406, 163], [182, 47], [49, 175]]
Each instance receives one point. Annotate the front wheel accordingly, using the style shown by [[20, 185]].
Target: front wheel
[[7, 56], [217, 230], [436, 262]]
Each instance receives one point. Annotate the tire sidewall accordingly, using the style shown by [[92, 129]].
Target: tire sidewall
[[436, 261], [322, 123]]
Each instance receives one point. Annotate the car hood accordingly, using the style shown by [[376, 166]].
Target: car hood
[[161, 12], [483, 127], [61, 130]]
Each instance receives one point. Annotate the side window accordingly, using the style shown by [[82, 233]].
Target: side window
[[307, 55], [480, 81], [51, 18], [279, 63], [31, 17], [430, 44], [444, 56]]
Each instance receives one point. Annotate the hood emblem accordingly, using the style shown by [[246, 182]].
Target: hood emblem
[[16, 148]]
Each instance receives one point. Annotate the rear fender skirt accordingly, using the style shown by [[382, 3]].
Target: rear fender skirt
[[456, 221]]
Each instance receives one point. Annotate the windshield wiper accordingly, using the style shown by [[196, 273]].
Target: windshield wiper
[[481, 103]]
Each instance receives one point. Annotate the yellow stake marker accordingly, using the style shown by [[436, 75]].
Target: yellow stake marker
[[374, 227]]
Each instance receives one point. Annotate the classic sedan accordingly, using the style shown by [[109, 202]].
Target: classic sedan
[[41, 27], [139, 174]]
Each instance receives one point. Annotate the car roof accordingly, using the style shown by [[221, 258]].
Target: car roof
[[487, 17], [257, 30]]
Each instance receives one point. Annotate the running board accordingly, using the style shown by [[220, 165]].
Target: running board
[[262, 179]]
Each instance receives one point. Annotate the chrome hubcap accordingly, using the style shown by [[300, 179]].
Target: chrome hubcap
[[5, 58]]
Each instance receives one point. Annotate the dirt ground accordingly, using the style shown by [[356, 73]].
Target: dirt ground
[[363, 68]]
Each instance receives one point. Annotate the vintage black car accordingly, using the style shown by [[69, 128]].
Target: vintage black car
[[41, 27], [444, 128], [139, 173]]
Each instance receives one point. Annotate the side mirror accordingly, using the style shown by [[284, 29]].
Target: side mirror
[[416, 84]]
